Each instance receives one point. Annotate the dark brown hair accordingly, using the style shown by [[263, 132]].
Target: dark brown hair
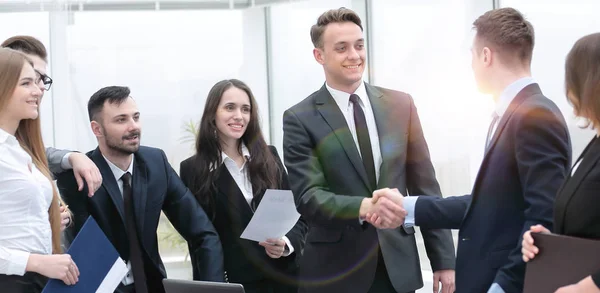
[[27, 45], [582, 78], [341, 14], [507, 31], [263, 170]]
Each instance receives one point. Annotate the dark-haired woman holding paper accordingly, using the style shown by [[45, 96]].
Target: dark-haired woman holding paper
[[229, 174]]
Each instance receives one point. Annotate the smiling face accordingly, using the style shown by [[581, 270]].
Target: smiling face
[[119, 128], [342, 55], [233, 115], [25, 100]]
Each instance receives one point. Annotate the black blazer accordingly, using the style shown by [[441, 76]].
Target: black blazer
[[577, 207], [245, 260], [156, 188], [525, 164], [329, 182]]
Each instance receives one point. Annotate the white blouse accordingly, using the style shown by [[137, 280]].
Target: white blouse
[[25, 197], [242, 180]]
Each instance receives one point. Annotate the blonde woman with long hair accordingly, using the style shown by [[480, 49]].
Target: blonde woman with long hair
[[30, 250]]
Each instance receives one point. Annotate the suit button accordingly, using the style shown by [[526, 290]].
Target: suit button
[[466, 239]]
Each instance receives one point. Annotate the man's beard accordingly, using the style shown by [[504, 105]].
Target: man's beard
[[120, 146]]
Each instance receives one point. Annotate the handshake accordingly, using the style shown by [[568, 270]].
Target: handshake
[[384, 210]]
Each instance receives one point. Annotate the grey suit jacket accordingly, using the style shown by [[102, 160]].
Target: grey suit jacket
[[329, 182], [55, 157]]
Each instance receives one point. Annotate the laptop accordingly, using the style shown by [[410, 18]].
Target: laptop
[[185, 286]]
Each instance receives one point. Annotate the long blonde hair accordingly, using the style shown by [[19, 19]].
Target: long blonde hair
[[29, 133]]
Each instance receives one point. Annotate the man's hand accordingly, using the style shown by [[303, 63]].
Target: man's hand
[[65, 217], [85, 169], [387, 211], [446, 277]]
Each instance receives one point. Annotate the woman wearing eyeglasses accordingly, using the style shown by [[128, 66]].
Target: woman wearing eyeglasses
[[577, 204], [29, 202]]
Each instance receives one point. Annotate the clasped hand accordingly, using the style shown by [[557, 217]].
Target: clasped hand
[[384, 210]]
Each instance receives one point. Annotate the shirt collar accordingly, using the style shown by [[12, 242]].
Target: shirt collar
[[117, 172], [245, 153], [509, 94], [343, 98], [6, 137]]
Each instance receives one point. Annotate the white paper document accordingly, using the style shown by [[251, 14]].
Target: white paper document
[[275, 216]]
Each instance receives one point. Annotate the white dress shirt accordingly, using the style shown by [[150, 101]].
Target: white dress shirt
[[342, 99], [25, 197], [118, 173], [242, 180]]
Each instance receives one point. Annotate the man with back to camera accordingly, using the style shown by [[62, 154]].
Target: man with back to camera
[[527, 155]]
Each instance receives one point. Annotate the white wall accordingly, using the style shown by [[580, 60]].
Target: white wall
[[169, 59], [558, 24], [422, 48], [33, 24], [294, 72]]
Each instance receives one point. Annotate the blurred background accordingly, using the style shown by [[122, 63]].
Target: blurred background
[[170, 53]]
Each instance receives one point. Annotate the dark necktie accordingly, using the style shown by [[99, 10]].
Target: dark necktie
[[488, 138], [135, 252], [364, 140]]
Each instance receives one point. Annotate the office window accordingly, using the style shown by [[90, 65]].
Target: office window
[[34, 24], [558, 25]]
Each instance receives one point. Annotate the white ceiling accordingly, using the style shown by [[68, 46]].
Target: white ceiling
[[99, 5]]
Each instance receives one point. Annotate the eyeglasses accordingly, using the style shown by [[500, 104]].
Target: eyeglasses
[[45, 79]]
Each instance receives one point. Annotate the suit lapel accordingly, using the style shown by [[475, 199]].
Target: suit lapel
[[588, 158], [526, 92], [382, 120], [235, 198], [109, 182], [332, 114], [140, 191]]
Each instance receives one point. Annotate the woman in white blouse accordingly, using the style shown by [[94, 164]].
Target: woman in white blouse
[[29, 203]]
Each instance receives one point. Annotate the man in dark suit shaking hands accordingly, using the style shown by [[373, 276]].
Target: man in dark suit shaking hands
[[342, 143], [527, 154], [138, 184]]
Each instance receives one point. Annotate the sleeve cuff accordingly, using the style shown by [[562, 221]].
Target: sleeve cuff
[[409, 203], [495, 288], [16, 262], [289, 248], [64, 163]]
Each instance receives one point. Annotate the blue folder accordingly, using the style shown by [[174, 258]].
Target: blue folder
[[93, 254]]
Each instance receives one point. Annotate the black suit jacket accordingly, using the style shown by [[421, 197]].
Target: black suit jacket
[[245, 260], [578, 201], [329, 183], [515, 188], [156, 188]]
